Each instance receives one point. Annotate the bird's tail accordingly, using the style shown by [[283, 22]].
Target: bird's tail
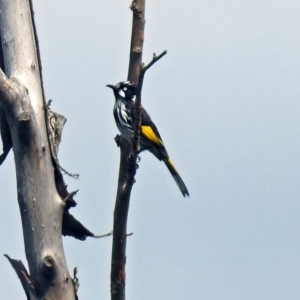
[[177, 177]]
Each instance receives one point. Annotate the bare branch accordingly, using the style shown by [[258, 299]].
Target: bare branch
[[120, 225], [138, 105], [125, 183], [129, 154], [137, 39], [154, 60], [74, 175], [103, 235]]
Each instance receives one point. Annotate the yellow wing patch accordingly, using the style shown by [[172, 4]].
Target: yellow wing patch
[[150, 135]]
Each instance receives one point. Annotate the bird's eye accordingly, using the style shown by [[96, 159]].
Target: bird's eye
[[125, 88]]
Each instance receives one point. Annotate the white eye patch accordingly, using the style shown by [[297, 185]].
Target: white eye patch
[[125, 88], [121, 93]]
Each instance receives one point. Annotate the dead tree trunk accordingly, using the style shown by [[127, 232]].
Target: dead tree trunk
[[40, 205]]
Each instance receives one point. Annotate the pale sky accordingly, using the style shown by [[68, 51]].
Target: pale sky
[[226, 102]]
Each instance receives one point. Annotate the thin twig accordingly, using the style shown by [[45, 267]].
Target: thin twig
[[76, 176], [154, 60], [103, 235]]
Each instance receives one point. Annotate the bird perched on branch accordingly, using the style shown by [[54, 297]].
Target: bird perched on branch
[[150, 139]]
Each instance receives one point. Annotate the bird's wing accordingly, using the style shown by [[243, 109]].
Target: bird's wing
[[148, 128]]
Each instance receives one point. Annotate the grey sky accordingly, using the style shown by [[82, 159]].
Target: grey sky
[[226, 102]]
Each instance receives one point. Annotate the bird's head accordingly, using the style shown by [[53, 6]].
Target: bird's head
[[124, 89]]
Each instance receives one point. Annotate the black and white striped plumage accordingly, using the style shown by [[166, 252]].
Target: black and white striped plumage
[[150, 139]]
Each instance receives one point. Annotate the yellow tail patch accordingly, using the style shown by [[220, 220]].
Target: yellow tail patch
[[150, 135], [171, 164]]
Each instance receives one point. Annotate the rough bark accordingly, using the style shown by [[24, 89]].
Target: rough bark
[[40, 205]]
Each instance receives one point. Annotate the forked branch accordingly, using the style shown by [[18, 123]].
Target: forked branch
[[118, 260], [129, 154], [138, 104]]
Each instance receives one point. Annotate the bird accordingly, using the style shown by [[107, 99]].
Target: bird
[[150, 139]]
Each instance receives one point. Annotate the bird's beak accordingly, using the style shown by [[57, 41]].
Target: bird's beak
[[111, 86]]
